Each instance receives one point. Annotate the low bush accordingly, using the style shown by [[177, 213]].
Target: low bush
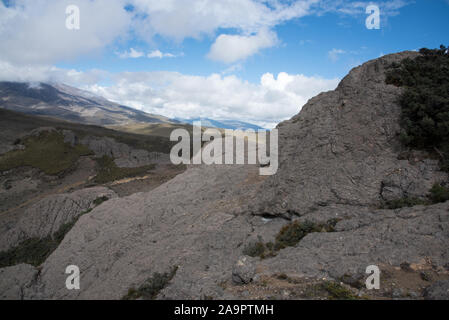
[[152, 286], [336, 291], [439, 194], [108, 171], [289, 236]]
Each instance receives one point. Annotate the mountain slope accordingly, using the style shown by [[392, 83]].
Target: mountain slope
[[223, 124], [68, 103]]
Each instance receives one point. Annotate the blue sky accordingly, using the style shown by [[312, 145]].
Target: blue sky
[[252, 60]]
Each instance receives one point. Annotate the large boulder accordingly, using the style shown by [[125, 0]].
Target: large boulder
[[123, 155]]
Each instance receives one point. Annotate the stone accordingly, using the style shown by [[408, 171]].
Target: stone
[[243, 271]]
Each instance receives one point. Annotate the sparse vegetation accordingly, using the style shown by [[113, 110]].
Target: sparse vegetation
[[336, 291], [437, 194], [100, 200], [425, 102], [46, 152], [293, 232], [330, 290], [35, 251], [152, 286], [108, 170], [255, 249], [403, 203], [289, 236]]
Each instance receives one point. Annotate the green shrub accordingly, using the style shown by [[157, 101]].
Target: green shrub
[[35, 251], [152, 286], [288, 236], [292, 233], [108, 170], [255, 249], [100, 200], [425, 101], [336, 291], [439, 194], [404, 202]]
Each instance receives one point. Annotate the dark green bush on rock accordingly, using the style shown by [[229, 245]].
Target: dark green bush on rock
[[152, 286], [439, 194], [425, 101], [289, 236]]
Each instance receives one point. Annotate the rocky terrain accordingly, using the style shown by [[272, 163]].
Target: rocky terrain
[[222, 232]]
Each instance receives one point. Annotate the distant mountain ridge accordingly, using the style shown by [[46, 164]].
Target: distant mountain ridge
[[222, 124], [69, 103]]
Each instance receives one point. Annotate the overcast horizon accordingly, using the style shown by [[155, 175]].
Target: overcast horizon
[[249, 60]]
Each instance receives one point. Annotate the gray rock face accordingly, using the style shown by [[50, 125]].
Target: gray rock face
[[343, 148], [438, 291], [48, 215], [187, 222], [124, 155], [412, 235], [338, 157], [14, 280]]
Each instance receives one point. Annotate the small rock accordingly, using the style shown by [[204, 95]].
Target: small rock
[[397, 293], [243, 271]]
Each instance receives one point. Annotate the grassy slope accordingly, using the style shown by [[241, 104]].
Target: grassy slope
[[47, 152], [18, 123]]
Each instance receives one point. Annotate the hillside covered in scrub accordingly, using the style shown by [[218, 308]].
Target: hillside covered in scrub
[[362, 181]]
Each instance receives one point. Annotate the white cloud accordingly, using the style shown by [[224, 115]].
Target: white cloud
[[48, 73], [132, 53], [232, 48], [34, 31], [251, 19], [160, 55], [221, 97], [179, 19], [334, 54]]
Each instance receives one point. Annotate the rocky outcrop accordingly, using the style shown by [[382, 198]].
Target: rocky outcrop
[[339, 158], [48, 215], [343, 147], [124, 155]]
